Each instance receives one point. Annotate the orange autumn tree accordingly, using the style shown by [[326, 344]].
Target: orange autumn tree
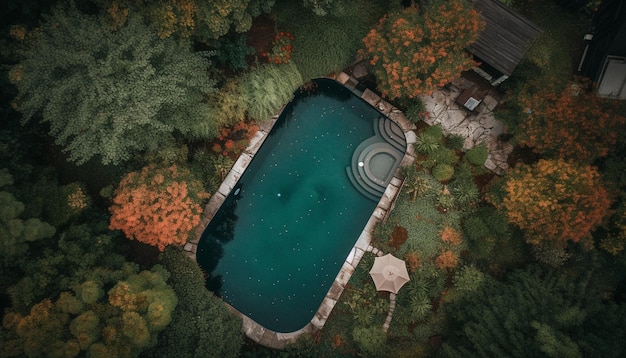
[[158, 206], [414, 51], [570, 123], [554, 201]]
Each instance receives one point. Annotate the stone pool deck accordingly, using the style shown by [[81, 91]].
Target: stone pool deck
[[251, 328]]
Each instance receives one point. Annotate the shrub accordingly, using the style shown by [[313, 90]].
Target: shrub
[[427, 143], [436, 131], [444, 156], [281, 49], [413, 261], [415, 111], [370, 340], [446, 260], [468, 279], [443, 172], [445, 201], [477, 155], [451, 236], [465, 192], [228, 103], [232, 52], [338, 36], [268, 87], [455, 141]]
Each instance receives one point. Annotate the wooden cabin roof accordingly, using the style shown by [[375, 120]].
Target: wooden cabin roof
[[506, 37]]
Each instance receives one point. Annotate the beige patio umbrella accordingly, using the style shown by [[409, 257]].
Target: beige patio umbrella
[[389, 273]]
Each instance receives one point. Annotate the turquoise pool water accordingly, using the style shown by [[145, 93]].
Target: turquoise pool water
[[275, 246]]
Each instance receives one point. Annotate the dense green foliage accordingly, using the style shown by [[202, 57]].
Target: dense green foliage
[[190, 334], [327, 44], [536, 313], [269, 87], [111, 94]]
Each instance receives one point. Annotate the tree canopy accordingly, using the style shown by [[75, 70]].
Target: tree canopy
[[111, 93], [190, 334], [414, 51], [554, 200], [533, 314], [157, 206], [204, 20], [569, 123], [121, 322]]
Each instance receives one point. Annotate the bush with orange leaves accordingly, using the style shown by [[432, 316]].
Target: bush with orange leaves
[[553, 200], [233, 139], [158, 206], [417, 50], [451, 236], [570, 123], [446, 260]]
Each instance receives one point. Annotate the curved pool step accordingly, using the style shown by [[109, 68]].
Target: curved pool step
[[365, 171], [388, 140], [361, 187], [391, 132], [357, 174], [363, 177]]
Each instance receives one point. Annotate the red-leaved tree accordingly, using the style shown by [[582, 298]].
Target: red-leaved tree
[[570, 123], [414, 51], [158, 206]]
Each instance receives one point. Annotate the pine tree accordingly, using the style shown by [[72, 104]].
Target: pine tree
[[534, 313]]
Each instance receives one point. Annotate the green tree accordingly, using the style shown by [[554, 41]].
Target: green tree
[[415, 51], [82, 252], [535, 313], [17, 232], [123, 322], [327, 7], [201, 324], [203, 20], [111, 94]]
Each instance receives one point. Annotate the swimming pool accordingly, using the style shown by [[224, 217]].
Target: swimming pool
[[274, 247]]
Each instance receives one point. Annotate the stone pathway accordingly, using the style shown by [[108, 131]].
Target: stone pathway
[[478, 127], [392, 296]]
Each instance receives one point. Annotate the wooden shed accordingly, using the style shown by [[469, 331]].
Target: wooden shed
[[503, 43]]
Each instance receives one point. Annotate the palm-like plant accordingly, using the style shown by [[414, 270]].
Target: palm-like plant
[[420, 306], [466, 193], [427, 143], [416, 186]]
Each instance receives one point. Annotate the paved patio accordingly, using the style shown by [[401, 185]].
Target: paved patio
[[478, 127]]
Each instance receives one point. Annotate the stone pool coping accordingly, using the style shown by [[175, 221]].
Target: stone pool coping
[[252, 329]]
